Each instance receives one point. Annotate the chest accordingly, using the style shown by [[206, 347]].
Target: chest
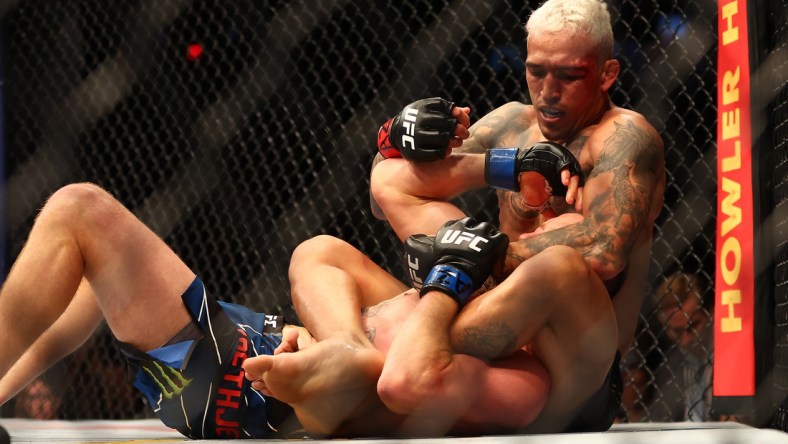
[[581, 145]]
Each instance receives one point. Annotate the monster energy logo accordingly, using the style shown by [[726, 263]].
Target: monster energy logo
[[170, 381]]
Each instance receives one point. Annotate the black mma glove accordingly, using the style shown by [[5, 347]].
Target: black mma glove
[[419, 258], [420, 133], [502, 166], [466, 253]]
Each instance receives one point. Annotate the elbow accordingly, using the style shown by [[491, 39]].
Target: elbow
[[383, 194], [607, 267], [605, 270], [405, 393], [394, 186], [377, 192], [602, 268]]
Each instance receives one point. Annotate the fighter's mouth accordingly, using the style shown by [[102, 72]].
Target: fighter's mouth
[[551, 113]]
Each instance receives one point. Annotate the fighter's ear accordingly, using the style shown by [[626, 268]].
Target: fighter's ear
[[610, 71]]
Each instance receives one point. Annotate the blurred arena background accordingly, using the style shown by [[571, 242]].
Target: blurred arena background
[[238, 129]]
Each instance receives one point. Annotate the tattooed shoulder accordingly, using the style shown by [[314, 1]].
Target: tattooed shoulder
[[628, 144], [505, 126], [576, 145]]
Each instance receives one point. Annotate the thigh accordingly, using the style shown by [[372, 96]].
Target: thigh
[[137, 279], [557, 306], [556, 291], [377, 284], [318, 258]]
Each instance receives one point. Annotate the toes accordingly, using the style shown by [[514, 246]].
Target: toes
[[256, 366], [284, 347]]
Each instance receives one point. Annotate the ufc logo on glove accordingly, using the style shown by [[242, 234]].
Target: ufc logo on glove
[[409, 123], [413, 271], [458, 237]]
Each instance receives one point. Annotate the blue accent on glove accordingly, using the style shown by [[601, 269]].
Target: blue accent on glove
[[499, 171], [451, 281]]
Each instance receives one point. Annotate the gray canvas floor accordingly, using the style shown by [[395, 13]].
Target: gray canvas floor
[[147, 431]]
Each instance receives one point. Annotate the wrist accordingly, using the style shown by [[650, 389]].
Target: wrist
[[385, 147], [500, 168], [451, 281], [440, 301]]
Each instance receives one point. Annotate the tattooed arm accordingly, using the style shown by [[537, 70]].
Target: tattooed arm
[[506, 126], [621, 199]]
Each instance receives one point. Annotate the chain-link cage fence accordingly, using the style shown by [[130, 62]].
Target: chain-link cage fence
[[777, 114], [236, 130]]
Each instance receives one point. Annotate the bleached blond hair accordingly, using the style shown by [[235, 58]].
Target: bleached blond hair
[[588, 19]]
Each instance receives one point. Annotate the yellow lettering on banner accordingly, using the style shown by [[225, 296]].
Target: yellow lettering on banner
[[730, 124], [731, 323], [730, 86], [728, 206], [730, 254], [730, 246], [733, 162], [731, 33]]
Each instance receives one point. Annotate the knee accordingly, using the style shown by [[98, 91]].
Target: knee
[[78, 195], [81, 203], [321, 250], [564, 260], [556, 277], [562, 267]]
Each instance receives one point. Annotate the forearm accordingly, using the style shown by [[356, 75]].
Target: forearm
[[420, 372], [415, 196], [373, 204], [603, 250]]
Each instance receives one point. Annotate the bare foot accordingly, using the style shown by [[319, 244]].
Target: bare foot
[[293, 340], [289, 342], [327, 383]]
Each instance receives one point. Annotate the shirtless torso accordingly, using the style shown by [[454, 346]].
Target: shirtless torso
[[621, 157], [604, 151]]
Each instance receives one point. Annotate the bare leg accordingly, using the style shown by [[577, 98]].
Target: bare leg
[[289, 341], [422, 376], [331, 383], [558, 305], [83, 231], [331, 282]]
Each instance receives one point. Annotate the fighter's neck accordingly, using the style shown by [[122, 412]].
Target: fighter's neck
[[593, 119]]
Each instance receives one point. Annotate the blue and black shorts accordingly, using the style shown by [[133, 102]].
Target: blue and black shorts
[[195, 383]]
